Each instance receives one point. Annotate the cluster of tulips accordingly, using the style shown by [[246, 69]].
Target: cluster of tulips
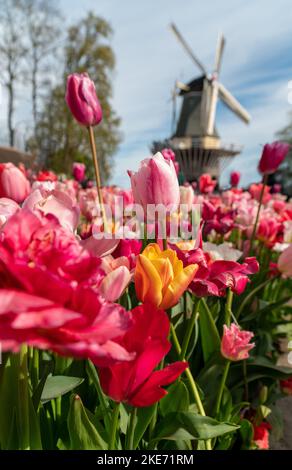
[[157, 342]]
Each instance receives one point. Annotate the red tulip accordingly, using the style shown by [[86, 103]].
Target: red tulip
[[235, 178], [261, 435], [13, 183], [47, 175], [137, 383], [206, 184], [82, 100], [272, 157]]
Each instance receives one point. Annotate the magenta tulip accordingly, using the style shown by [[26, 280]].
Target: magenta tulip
[[272, 157], [82, 100], [235, 178], [78, 171], [13, 183], [155, 182]]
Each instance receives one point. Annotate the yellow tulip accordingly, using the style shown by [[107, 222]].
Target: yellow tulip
[[160, 277]]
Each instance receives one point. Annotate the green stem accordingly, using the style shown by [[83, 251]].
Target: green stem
[[23, 391], [115, 422], [191, 380], [189, 330], [164, 241], [228, 307], [102, 399], [250, 296], [265, 179], [244, 369], [35, 368], [131, 429], [221, 389]]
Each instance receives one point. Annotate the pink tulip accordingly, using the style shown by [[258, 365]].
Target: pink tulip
[[206, 184], [8, 207], [187, 196], [235, 178], [155, 183], [285, 262], [57, 203], [82, 100], [48, 295], [115, 283], [13, 183], [79, 171], [272, 157], [235, 344]]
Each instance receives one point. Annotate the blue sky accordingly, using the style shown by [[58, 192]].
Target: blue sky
[[256, 68]]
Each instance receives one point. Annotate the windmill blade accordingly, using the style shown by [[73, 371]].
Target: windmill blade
[[212, 107], [187, 48], [219, 53], [182, 86], [232, 103]]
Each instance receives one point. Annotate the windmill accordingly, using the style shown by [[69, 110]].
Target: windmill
[[195, 140]]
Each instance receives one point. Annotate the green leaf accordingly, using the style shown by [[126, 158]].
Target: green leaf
[[144, 416], [58, 385], [210, 338], [177, 399], [246, 432], [257, 368], [187, 425], [83, 435]]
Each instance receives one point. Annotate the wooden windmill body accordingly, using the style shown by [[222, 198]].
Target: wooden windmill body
[[194, 139]]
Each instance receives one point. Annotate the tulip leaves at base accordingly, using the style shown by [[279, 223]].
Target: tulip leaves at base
[[82, 432], [188, 426], [210, 338], [58, 385], [19, 422]]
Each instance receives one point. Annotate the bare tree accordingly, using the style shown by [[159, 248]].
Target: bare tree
[[43, 35], [12, 51]]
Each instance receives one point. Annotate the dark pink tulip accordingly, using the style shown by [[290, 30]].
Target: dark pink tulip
[[79, 171], [272, 157], [13, 183], [235, 178], [82, 100]]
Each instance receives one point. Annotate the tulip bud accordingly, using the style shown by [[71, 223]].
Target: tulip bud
[[13, 183], [78, 171], [82, 100], [235, 178], [272, 157]]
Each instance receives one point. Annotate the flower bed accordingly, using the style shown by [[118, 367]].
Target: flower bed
[[150, 342]]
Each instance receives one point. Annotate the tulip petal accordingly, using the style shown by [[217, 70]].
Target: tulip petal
[[178, 286], [151, 392], [147, 282]]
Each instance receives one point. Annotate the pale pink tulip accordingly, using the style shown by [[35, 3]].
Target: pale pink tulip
[[7, 208], [285, 262], [13, 183], [155, 183], [235, 344]]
